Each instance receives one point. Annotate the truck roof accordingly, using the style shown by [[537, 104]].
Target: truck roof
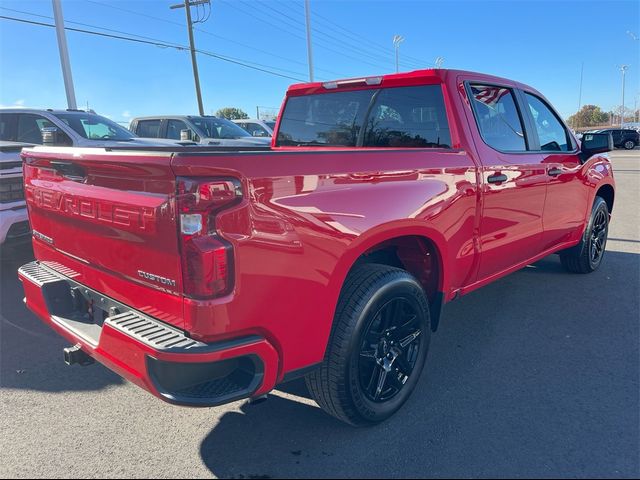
[[415, 77], [156, 117], [43, 110]]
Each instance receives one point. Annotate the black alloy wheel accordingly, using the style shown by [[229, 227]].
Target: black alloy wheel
[[389, 350], [587, 256], [377, 348]]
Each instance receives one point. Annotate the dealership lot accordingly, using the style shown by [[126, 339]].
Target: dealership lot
[[534, 375]]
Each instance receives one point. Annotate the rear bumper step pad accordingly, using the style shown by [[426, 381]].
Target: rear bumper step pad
[[146, 351]]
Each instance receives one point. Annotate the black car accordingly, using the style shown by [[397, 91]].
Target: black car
[[623, 138]]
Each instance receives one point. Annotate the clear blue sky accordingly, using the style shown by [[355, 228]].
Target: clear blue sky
[[540, 43]]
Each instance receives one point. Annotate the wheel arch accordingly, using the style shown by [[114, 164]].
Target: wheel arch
[[419, 250], [607, 193]]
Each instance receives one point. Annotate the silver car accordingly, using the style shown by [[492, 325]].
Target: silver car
[[204, 130]]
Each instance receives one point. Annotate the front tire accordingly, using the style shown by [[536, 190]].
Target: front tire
[[629, 145], [377, 349], [587, 256]]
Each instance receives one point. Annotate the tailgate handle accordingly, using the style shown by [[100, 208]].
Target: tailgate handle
[[69, 170]]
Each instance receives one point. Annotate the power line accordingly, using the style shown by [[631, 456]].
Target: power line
[[81, 24], [149, 38], [417, 63], [297, 24], [355, 47], [207, 32], [357, 37], [236, 6], [157, 44]]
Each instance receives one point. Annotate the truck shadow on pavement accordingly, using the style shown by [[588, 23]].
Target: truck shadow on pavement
[[30, 352], [534, 375]]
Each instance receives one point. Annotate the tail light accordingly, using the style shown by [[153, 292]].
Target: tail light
[[207, 259]]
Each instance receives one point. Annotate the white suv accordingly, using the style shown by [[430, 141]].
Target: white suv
[[14, 225], [256, 127]]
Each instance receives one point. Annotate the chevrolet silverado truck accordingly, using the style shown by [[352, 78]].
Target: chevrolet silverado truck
[[209, 276]]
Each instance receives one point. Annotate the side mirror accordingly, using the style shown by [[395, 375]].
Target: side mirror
[[53, 137], [49, 135], [593, 143], [186, 135]]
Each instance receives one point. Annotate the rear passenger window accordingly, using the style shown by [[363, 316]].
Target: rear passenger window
[[408, 117], [174, 127], [30, 126], [401, 117], [8, 127], [326, 119], [148, 128], [498, 118], [552, 135]]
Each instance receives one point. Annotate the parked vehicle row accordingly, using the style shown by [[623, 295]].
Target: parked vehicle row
[[207, 275], [203, 130], [71, 128]]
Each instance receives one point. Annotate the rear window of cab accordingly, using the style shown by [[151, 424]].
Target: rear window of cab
[[398, 117]]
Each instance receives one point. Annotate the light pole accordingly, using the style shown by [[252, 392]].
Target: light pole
[[397, 40], [439, 61], [579, 96], [307, 15], [623, 69], [635, 38], [64, 55]]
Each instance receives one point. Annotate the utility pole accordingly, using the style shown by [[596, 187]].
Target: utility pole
[[577, 125], [623, 69], [187, 7], [580, 91], [64, 55], [307, 14], [397, 40]]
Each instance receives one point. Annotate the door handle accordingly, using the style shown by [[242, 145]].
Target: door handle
[[554, 172], [497, 178]]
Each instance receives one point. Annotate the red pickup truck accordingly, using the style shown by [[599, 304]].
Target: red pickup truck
[[210, 275]]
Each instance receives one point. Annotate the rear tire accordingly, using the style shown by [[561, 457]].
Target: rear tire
[[377, 348], [587, 256], [629, 145]]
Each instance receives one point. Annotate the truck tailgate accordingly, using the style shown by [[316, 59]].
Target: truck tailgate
[[110, 218]]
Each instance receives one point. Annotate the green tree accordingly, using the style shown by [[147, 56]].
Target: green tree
[[231, 113], [588, 116]]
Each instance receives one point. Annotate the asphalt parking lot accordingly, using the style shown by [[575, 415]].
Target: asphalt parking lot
[[536, 375]]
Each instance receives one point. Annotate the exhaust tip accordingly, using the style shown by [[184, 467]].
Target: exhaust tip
[[75, 355]]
